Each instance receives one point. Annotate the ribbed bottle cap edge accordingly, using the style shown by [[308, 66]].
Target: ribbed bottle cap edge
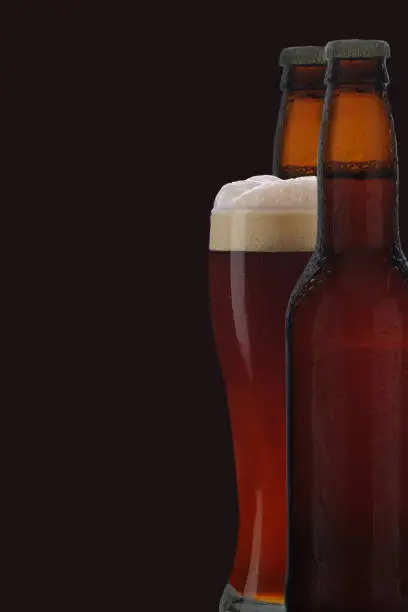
[[356, 48], [290, 56]]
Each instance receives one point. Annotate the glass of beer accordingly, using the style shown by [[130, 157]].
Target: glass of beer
[[262, 234]]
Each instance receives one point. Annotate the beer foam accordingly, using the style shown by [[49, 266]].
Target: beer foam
[[265, 213]]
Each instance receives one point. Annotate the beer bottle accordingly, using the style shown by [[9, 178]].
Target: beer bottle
[[347, 359], [297, 130]]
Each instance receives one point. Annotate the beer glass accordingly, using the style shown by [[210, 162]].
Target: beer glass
[[262, 235]]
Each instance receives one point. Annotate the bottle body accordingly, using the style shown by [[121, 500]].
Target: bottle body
[[347, 355], [348, 426]]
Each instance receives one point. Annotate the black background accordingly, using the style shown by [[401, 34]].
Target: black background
[[127, 126]]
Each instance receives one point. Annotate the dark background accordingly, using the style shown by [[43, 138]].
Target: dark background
[[123, 128]]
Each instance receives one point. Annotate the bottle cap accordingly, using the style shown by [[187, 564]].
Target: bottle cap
[[301, 56], [356, 48]]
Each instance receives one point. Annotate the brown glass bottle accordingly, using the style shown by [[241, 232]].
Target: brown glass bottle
[[347, 360], [297, 130]]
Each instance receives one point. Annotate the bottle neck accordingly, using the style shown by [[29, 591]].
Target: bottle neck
[[298, 79], [357, 161], [297, 131]]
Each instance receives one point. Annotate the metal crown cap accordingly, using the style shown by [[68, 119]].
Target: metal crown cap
[[301, 55], [356, 48]]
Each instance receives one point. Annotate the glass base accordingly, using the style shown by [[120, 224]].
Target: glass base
[[231, 601]]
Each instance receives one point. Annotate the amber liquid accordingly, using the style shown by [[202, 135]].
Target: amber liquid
[[347, 333], [289, 172], [249, 294], [297, 130]]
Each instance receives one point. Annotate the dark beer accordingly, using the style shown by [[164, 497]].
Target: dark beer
[[256, 256], [347, 342], [297, 130]]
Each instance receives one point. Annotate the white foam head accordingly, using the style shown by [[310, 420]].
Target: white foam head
[[265, 213]]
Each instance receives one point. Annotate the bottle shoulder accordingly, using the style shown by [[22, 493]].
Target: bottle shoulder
[[379, 275], [352, 296]]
